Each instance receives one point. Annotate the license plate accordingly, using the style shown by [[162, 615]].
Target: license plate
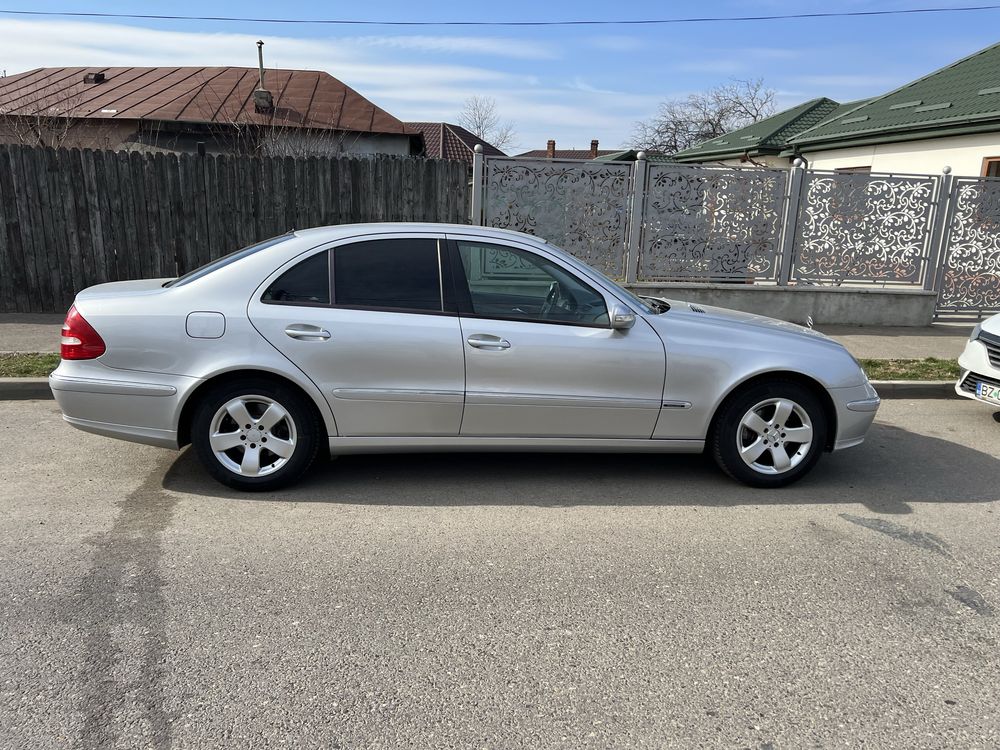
[[988, 392]]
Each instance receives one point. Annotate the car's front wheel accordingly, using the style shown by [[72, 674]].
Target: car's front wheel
[[770, 434], [255, 434]]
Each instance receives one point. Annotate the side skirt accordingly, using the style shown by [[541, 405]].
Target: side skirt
[[345, 445]]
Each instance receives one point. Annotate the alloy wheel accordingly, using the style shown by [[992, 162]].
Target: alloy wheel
[[252, 436]]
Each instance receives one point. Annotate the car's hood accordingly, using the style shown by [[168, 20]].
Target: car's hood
[[992, 325], [729, 318]]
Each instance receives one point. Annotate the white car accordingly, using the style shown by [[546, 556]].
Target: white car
[[980, 363]]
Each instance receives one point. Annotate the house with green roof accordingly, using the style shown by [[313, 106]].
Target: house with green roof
[[948, 118], [762, 142]]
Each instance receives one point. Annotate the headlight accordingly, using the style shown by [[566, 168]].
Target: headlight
[[975, 332]]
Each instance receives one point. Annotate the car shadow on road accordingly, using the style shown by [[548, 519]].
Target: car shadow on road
[[891, 469]]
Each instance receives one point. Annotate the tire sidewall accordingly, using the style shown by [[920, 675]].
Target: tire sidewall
[[301, 412], [725, 432]]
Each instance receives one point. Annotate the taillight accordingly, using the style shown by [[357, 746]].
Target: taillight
[[79, 339]]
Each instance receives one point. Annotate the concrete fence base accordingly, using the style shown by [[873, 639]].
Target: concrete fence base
[[849, 306]]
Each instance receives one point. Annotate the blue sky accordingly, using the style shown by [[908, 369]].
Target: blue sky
[[571, 84]]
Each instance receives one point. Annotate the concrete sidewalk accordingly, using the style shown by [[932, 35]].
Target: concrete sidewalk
[[40, 333]]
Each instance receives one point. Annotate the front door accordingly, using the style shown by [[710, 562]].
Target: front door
[[381, 340], [541, 359]]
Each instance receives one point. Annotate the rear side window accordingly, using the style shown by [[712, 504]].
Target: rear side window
[[306, 283], [400, 274]]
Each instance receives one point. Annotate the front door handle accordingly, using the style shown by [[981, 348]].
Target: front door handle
[[306, 332], [485, 341]]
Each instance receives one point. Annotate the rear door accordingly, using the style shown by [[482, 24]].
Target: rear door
[[370, 323], [541, 357]]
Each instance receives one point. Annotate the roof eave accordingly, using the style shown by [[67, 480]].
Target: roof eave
[[730, 154], [872, 139]]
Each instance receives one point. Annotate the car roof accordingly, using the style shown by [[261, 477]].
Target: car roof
[[348, 230]]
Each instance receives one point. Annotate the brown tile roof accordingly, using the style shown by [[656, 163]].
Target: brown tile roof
[[567, 153], [302, 98], [442, 140]]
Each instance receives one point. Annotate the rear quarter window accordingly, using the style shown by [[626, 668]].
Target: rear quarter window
[[305, 283]]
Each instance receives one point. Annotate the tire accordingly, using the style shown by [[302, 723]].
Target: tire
[[759, 423], [279, 424]]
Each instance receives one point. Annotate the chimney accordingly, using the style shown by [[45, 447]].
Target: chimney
[[550, 149], [593, 149], [263, 101]]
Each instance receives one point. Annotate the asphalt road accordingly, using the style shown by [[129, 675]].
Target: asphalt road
[[503, 600]]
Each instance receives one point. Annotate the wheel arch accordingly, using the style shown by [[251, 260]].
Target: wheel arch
[[817, 388], [191, 402]]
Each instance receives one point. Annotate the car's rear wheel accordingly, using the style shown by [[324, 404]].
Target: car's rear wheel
[[255, 434], [770, 434]]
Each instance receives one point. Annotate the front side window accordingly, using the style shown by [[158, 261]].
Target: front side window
[[398, 274], [506, 282], [305, 283]]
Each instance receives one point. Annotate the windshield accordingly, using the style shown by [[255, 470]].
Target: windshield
[[225, 260], [629, 296]]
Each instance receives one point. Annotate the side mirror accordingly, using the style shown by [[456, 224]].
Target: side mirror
[[621, 317]]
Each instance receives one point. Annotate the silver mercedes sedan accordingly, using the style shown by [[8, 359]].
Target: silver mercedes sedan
[[430, 337]]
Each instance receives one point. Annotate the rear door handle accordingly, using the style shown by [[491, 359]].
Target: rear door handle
[[485, 341], [306, 332]]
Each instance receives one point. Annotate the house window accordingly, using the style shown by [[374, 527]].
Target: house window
[[991, 166], [853, 170]]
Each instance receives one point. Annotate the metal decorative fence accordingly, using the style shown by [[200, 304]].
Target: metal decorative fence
[[711, 224], [581, 206], [663, 222], [864, 228], [970, 272]]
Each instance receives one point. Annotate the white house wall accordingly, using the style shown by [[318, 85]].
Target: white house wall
[[964, 154]]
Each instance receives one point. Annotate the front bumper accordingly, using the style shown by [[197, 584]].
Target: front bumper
[[856, 408], [976, 366]]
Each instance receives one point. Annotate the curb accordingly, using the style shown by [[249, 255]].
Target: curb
[[22, 389], [896, 389]]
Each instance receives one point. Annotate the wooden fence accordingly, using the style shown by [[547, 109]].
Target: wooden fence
[[70, 219]]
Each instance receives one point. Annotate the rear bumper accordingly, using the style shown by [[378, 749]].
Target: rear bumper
[[138, 407]]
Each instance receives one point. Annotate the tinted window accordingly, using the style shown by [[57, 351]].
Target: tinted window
[[307, 282], [398, 274], [506, 282], [225, 260]]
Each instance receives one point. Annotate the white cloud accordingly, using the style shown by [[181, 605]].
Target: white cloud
[[862, 81], [476, 45]]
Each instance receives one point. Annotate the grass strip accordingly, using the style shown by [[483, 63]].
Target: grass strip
[[19, 365], [929, 368]]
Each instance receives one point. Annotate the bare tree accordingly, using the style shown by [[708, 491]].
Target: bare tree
[[480, 117], [681, 123]]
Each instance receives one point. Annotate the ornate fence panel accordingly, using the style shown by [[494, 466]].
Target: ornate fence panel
[[710, 224], [970, 274], [583, 207], [863, 228]]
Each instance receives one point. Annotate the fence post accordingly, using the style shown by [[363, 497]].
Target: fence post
[[635, 218], [936, 252], [478, 188], [795, 175]]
